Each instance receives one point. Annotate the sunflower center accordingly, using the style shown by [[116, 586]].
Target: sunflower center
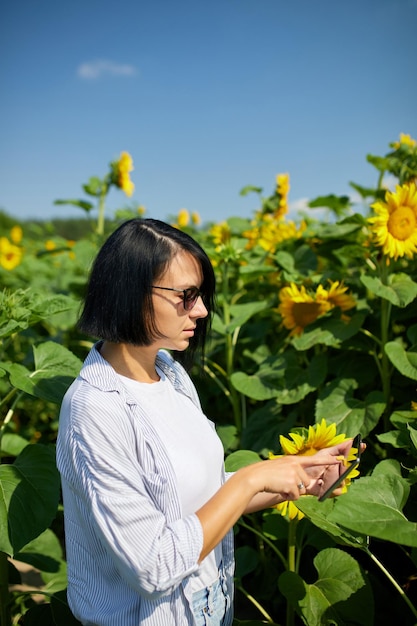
[[402, 223], [305, 313]]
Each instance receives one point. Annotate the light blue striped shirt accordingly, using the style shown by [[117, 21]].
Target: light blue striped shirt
[[129, 552]]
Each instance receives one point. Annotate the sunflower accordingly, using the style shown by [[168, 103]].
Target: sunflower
[[299, 308], [405, 140], [183, 218], [220, 233], [337, 295], [283, 188], [122, 169], [10, 255], [195, 218], [290, 510], [395, 224], [16, 234], [269, 233], [316, 438]]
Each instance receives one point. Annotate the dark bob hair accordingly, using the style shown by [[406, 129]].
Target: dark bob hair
[[118, 302]]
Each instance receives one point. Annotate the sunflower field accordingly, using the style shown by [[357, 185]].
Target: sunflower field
[[314, 340]]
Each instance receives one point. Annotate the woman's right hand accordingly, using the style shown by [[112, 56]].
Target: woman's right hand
[[291, 476]]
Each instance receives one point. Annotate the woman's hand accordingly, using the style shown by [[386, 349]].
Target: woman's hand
[[291, 476], [324, 476]]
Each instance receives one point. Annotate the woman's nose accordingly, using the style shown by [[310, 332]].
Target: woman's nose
[[199, 309]]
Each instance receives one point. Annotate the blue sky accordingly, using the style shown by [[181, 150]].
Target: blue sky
[[207, 97]]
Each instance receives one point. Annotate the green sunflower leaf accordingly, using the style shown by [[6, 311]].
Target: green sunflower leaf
[[29, 496], [340, 595], [371, 507], [405, 362], [241, 458], [282, 378], [352, 415], [401, 291], [54, 370]]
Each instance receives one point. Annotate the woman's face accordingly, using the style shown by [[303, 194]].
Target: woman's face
[[171, 319]]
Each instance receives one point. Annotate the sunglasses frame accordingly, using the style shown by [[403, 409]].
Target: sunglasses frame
[[188, 304]]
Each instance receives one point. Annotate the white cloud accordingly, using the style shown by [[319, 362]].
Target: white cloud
[[92, 70]]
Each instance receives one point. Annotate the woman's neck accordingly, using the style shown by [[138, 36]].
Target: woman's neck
[[136, 362]]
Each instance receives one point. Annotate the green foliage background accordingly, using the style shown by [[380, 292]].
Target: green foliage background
[[350, 560]]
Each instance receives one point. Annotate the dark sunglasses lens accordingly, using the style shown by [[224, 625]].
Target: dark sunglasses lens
[[190, 297]]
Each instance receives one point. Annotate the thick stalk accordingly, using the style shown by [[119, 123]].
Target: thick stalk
[[393, 582], [229, 356], [255, 603], [292, 537], [265, 540], [385, 365], [5, 617], [101, 208]]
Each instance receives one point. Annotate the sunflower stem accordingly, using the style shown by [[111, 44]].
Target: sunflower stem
[[265, 540], [291, 567], [101, 209], [229, 346], [255, 603], [393, 581], [385, 366], [5, 616]]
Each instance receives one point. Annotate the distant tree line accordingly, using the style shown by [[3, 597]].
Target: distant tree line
[[71, 228]]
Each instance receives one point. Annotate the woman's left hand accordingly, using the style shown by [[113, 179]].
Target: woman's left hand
[[322, 476]]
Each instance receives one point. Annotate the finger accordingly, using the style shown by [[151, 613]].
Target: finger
[[320, 458]]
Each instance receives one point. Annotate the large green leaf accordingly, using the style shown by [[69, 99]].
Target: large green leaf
[[12, 444], [45, 554], [82, 204], [241, 458], [338, 204], [405, 362], [369, 508], [400, 291], [29, 496], [282, 378], [341, 594], [23, 308], [352, 415], [241, 313], [372, 507], [55, 369], [318, 513], [329, 331]]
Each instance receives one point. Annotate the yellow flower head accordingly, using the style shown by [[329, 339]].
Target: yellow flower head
[[298, 308], [195, 218], [123, 167], [10, 255], [336, 295], [50, 245], [16, 234], [183, 218], [405, 140], [289, 510], [270, 232], [395, 225], [220, 233], [283, 189], [317, 437]]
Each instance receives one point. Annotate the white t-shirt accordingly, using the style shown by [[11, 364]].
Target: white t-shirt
[[194, 449]]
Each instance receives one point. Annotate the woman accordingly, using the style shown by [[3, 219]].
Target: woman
[[148, 510]]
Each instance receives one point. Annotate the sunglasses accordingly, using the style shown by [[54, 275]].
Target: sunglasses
[[189, 296]]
